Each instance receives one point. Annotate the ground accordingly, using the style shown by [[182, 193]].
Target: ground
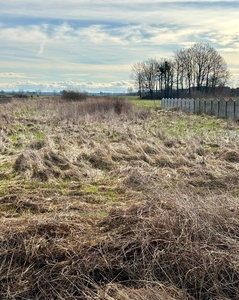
[[108, 199]]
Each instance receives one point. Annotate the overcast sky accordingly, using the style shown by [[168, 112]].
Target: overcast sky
[[91, 45]]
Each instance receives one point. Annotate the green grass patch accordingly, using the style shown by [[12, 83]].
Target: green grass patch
[[192, 125], [39, 135], [132, 98], [6, 165], [144, 102], [26, 112], [92, 188], [103, 192]]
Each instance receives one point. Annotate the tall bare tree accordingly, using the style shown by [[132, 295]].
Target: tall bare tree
[[219, 73], [137, 75], [166, 75], [150, 68], [179, 70]]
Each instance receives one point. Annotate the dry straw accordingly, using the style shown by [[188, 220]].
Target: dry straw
[[100, 200]]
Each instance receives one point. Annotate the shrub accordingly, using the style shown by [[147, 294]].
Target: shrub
[[20, 96], [105, 104], [74, 95]]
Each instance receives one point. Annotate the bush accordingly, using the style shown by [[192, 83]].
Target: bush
[[74, 95], [103, 105], [20, 96]]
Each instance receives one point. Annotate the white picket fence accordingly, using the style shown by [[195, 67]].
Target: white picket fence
[[221, 108]]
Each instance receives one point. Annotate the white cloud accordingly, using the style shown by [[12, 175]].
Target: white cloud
[[114, 86], [41, 50], [98, 41], [12, 75], [28, 34]]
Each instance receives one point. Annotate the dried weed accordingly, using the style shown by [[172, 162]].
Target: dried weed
[[102, 201]]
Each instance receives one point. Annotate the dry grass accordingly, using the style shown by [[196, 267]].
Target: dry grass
[[101, 200]]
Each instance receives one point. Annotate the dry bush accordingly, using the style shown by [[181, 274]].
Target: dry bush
[[74, 95], [92, 109], [105, 105]]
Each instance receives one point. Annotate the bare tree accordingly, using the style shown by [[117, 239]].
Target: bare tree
[[179, 69], [185, 69], [219, 73], [166, 76], [137, 75], [201, 67], [150, 68]]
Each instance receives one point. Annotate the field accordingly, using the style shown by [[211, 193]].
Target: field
[[144, 103], [108, 199]]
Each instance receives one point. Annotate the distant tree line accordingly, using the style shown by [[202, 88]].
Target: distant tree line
[[196, 70]]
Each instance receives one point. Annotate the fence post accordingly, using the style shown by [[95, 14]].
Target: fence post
[[196, 106], [187, 104], [201, 106], [179, 103], [173, 103], [230, 113], [215, 107], [192, 105], [184, 104], [222, 108], [208, 107], [237, 109]]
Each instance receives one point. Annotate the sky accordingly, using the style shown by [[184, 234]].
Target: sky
[[91, 45]]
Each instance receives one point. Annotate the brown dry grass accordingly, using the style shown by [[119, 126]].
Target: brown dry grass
[[100, 200]]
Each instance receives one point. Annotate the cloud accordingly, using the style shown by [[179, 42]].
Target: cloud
[[12, 75], [41, 50], [28, 34], [98, 41], [114, 86]]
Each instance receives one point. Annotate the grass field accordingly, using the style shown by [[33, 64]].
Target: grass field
[[105, 199], [144, 103]]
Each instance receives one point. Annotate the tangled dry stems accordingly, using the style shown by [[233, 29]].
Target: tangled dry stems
[[102, 204]]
